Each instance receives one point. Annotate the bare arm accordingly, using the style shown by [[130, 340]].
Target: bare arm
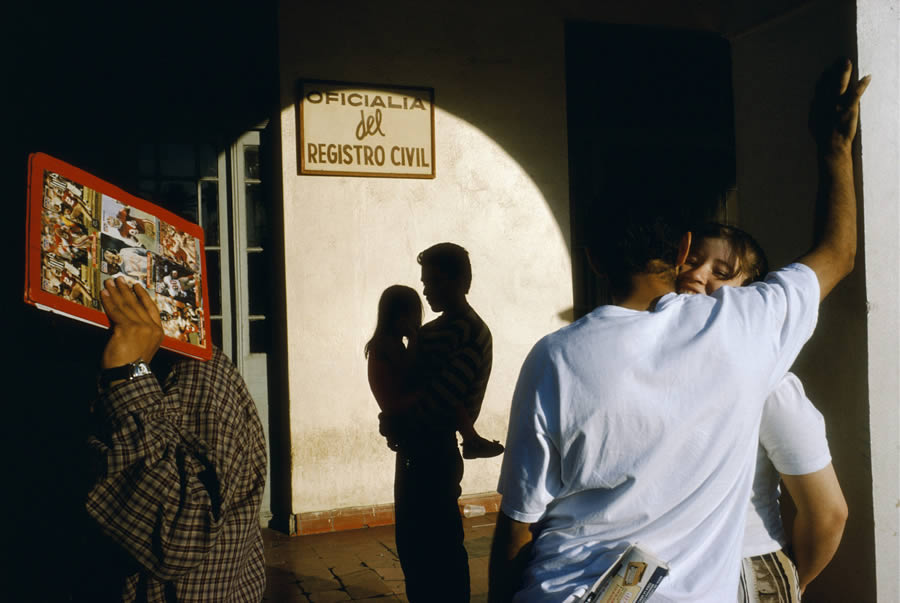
[[833, 121], [388, 384], [509, 555], [819, 525]]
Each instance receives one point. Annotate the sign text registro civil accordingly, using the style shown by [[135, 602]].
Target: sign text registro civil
[[349, 129]]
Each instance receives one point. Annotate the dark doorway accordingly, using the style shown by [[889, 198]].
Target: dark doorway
[[650, 119], [145, 96]]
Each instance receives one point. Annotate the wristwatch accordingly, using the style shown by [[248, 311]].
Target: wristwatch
[[128, 372]]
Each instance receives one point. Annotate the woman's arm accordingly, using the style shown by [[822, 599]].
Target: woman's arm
[[819, 525]]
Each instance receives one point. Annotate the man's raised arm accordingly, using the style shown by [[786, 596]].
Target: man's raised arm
[[158, 494], [832, 121]]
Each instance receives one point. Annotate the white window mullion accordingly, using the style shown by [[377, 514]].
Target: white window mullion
[[225, 256]]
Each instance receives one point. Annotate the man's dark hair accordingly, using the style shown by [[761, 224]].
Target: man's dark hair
[[633, 237], [750, 259], [451, 260]]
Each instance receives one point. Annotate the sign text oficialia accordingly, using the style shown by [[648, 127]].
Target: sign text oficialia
[[366, 130]]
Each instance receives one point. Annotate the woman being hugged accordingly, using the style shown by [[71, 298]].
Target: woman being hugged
[[792, 446]]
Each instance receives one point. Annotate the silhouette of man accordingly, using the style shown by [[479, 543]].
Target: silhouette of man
[[454, 358]]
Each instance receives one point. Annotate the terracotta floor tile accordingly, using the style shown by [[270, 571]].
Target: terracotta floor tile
[[396, 586], [329, 596], [284, 593], [390, 573], [315, 584], [364, 561]]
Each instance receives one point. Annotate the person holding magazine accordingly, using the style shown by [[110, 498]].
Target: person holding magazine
[[180, 459], [620, 433], [792, 446]]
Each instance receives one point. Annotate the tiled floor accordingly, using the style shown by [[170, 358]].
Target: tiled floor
[[358, 565]]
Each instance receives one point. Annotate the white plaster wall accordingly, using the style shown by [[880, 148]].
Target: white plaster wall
[[775, 66], [878, 30], [501, 191]]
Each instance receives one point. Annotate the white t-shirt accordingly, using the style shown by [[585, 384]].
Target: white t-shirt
[[791, 442], [642, 427]]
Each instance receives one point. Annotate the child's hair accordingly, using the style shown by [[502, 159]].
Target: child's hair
[[395, 301], [751, 259]]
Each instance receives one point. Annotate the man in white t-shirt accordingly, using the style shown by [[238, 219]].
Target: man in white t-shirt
[[621, 431]]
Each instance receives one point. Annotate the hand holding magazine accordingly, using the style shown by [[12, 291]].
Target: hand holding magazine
[[633, 578], [82, 231]]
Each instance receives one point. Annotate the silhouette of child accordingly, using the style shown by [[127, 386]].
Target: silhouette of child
[[391, 367]]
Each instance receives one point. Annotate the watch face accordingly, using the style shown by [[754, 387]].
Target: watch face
[[139, 369]]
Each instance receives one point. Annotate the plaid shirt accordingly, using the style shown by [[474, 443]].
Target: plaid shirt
[[181, 474]]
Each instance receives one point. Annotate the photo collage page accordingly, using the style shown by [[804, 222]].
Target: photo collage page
[[88, 237]]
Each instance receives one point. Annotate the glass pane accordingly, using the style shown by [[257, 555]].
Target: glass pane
[[214, 282], [177, 161], [207, 161], [147, 188], [259, 336], [258, 282], [251, 161], [256, 216], [147, 160], [179, 197], [215, 325], [209, 204]]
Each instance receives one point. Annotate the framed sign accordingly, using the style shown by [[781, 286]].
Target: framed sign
[[352, 129]]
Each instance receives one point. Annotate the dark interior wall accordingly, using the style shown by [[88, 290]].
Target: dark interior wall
[[650, 121], [776, 64], [89, 84]]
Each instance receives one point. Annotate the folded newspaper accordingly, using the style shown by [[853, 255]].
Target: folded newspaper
[[633, 578]]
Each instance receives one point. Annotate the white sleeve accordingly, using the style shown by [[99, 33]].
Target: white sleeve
[[530, 474], [792, 431], [788, 311]]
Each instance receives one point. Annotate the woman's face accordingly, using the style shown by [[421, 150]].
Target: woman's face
[[408, 323], [709, 266]]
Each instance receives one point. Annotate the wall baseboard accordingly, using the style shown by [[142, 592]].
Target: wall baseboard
[[354, 518]]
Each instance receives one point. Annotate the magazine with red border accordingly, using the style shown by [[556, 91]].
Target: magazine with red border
[[82, 231]]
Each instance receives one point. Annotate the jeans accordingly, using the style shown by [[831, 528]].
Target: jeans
[[428, 525]]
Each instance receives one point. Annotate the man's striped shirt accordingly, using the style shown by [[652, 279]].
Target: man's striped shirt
[[454, 360]]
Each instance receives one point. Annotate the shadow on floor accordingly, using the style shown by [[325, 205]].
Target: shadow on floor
[[357, 565]]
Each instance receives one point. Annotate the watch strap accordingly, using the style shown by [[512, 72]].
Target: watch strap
[[127, 372]]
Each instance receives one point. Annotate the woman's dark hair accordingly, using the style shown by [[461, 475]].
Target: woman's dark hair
[[395, 301], [750, 258]]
